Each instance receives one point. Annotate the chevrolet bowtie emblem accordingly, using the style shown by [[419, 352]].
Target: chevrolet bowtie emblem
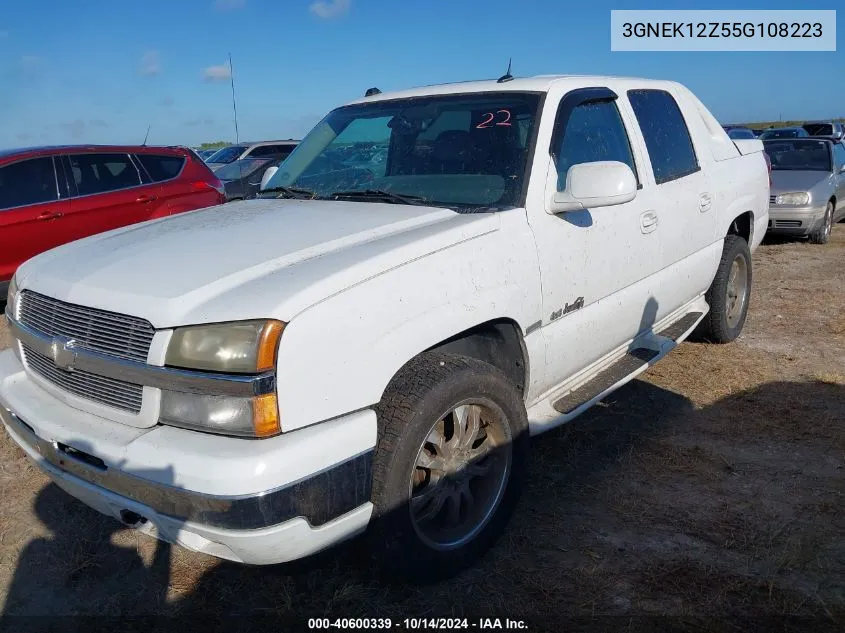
[[62, 352]]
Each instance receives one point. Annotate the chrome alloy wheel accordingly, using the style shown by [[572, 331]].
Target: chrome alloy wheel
[[460, 474]]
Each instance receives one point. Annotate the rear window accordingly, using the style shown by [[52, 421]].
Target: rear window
[[161, 167], [666, 135], [819, 129], [27, 182]]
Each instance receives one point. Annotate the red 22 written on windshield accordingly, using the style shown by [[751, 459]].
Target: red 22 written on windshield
[[721, 29]]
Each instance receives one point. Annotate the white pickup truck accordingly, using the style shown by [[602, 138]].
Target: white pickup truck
[[431, 277]]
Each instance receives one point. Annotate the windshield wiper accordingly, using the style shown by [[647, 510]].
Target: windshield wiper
[[291, 192], [377, 194]]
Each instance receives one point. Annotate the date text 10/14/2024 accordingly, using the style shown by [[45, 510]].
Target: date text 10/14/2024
[[417, 624]]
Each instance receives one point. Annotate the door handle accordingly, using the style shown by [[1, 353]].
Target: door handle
[[704, 202], [648, 221], [49, 215], [144, 199]]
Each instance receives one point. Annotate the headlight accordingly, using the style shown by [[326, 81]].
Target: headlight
[[12, 297], [795, 198], [241, 347], [226, 415]]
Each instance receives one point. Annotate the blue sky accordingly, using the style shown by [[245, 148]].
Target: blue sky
[[101, 71]]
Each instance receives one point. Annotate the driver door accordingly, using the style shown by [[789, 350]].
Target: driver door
[[596, 265]]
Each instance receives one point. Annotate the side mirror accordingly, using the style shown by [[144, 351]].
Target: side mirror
[[268, 174], [599, 184]]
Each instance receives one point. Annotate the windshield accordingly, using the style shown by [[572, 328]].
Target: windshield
[[740, 133], [784, 133], [798, 155], [227, 154], [819, 129], [241, 168], [457, 151]]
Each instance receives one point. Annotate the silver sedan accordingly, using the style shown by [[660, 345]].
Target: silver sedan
[[808, 186]]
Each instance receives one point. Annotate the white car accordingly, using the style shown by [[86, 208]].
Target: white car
[[372, 346]]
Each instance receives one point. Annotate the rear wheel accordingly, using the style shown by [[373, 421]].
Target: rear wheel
[[822, 234], [449, 465], [729, 294]]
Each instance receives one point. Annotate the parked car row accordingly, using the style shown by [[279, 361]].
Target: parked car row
[[832, 129], [807, 171]]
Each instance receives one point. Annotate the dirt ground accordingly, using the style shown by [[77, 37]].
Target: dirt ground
[[712, 487]]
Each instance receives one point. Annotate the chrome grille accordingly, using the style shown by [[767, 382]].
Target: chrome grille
[[98, 330], [772, 199], [90, 328], [115, 393]]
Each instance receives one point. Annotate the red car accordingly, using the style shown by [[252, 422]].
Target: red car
[[53, 195]]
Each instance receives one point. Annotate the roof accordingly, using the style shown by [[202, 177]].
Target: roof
[[538, 83], [57, 149]]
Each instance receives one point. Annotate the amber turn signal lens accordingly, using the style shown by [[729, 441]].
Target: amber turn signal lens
[[265, 415], [268, 344]]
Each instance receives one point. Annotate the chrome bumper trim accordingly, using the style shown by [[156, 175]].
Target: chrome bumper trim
[[140, 373], [321, 497]]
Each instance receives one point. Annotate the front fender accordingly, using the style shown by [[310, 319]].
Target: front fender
[[339, 355]]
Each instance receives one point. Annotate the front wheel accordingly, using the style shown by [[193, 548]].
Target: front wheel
[[822, 234], [729, 294], [449, 465]]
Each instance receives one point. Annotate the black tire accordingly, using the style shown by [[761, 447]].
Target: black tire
[[717, 327], [821, 234], [421, 394]]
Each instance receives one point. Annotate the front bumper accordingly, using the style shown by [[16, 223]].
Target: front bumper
[[794, 220], [311, 503]]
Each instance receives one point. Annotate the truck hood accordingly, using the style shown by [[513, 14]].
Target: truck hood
[[251, 259]]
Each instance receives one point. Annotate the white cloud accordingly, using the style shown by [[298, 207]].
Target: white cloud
[[228, 5], [150, 63], [328, 9], [223, 72]]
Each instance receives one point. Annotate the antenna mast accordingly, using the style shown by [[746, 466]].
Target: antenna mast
[[234, 105], [146, 136]]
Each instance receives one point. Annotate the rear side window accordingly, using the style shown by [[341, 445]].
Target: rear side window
[[100, 173], [594, 132], [28, 182], [666, 135], [275, 151], [161, 167]]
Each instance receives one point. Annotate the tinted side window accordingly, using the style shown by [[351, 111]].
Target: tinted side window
[[161, 167], [28, 182], [264, 151], [593, 133], [666, 135], [99, 173]]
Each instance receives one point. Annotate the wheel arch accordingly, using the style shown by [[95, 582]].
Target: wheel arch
[[498, 342]]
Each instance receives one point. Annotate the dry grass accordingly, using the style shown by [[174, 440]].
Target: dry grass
[[713, 486]]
